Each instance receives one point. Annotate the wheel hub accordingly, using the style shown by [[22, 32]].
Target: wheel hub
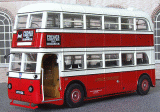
[[145, 85], [75, 95]]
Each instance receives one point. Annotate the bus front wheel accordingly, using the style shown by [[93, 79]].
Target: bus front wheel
[[74, 95], [143, 85]]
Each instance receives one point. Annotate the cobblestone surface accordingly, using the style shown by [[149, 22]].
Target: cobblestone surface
[[4, 78]]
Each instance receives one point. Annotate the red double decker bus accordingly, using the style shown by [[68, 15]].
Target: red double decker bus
[[70, 53]]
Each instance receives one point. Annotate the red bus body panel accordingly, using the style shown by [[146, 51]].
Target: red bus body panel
[[96, 85], [103, 84], [23, 85], [83, 40]]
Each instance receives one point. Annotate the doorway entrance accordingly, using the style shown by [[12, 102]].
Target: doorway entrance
[[50, 76]]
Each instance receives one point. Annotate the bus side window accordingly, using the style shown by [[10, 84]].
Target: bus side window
[[73, 62], [22, 20], [111, 60], [127, 24], [111, 23], [36, 21], [127, 59], [53, 20], [94, 22], [142, 58], [73, 21], [94, 60], [141, 24]]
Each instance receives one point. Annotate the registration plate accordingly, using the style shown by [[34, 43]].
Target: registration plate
[[19, 92]]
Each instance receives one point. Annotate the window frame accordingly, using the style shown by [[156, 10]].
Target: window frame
[[147, 25], [74, 14], [6, 37], [127, 24], [72, 69], [29, 21], [31, 62], [23, 61], [94, 15], [117, 59], [92, 60], [18, 20], [13, 61], [148, 61], [133, 60], [105, 23], [47, 20]]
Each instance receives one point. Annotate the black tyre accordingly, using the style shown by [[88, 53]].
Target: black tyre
[[143, 85], [74, 95]]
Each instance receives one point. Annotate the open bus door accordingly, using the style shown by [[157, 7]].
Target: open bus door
[[50, 77]]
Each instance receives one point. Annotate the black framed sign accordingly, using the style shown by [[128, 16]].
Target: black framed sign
[[53, 40], [27, 35]]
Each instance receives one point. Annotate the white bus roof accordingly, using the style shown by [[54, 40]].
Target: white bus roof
[[57, 7], [81, 9]]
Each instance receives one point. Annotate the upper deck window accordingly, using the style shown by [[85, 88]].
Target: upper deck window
[[141, 24], [53, 20], [36, 21], [73, 21], [127, 24], [22, 20], [111, 23], [94, 22]]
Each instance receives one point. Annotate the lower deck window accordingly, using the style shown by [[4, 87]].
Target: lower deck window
[[94, 61], [25, 62], [30, 62], [73, 62], [142, 58], [127, 59], [111, 60], [16, 61]]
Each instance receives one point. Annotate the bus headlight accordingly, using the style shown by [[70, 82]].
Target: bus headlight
[[30, 89], [9, 86]]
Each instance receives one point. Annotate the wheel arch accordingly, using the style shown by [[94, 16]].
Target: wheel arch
[[147, 76], [77, 82]]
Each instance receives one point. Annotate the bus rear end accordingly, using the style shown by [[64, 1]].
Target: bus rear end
[[34, 78], [27, 62], [24, 82]]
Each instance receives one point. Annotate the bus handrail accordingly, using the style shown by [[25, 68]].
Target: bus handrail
[[42, 85]]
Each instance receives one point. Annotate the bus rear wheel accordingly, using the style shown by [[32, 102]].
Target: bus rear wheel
[[74, 95], [143, 86]]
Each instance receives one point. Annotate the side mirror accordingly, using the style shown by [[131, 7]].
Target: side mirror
[[5, 57]]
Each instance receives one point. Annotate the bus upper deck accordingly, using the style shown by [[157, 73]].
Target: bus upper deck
[[59, 26]]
